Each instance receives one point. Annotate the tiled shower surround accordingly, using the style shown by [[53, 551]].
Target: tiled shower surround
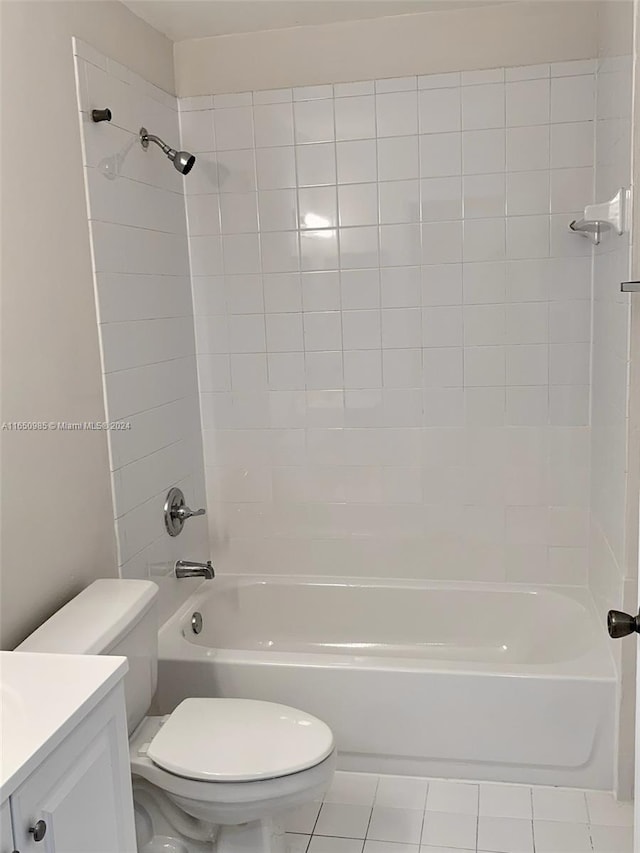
[[143, 295], [393, 324]]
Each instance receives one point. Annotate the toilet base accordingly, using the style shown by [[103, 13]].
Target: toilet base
[[256, 837], [161, 828], [259, 836]]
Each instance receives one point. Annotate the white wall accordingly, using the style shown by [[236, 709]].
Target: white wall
[[57, 524], [405, 390], [613, 555], [521, 33], [141, 267], [611, 318]]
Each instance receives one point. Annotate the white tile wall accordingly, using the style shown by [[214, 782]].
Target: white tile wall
[[393, 324], [145, 310]]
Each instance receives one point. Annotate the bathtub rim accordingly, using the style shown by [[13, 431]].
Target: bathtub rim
[[597, 664]]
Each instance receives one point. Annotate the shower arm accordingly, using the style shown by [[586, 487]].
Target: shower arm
[[146, 138]]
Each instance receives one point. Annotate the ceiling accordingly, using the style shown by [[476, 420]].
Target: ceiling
[[186, 19]]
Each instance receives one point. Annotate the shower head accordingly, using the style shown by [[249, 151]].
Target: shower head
[[182, 160]]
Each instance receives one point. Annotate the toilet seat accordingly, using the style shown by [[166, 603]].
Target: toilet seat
[[239, 740], [227, 802]]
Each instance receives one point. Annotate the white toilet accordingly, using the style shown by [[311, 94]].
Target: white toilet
[[216, 774]]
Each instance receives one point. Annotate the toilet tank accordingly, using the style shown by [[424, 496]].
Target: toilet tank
[[110, 617]]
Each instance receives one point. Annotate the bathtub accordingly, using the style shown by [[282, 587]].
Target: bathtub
[[469, 681]]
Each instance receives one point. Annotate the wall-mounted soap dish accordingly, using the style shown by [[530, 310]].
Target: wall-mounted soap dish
[[602, 217]]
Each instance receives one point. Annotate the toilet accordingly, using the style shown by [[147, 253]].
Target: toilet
[[214, 775]]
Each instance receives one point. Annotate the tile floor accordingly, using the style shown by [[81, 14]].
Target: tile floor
[[363, 813]]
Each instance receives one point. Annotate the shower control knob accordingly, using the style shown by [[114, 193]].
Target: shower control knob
[[176, 511], [39, 830], [622, 624], [184, 512]]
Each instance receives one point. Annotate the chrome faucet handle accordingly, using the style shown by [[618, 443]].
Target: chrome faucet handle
[[176, 511], [184, 512]]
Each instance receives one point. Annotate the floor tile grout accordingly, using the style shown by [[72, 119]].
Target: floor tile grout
[[578, 807]]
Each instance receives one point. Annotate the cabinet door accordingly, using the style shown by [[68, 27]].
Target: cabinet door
[[6, 836], [82, 792]]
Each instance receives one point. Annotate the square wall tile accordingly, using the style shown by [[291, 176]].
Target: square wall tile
[[284, 332], [273, 125], [358, 204], [314, 121], [239, 213], [440, 155], [318, 207], [323, 371], [357, 161], [316, 164], [359, 247], [321, 291], [573, 98], [360, 288], [400, 245], [397, 114], [400, 287], [483, 106], [276, 168], [528, 103], [402, 368], [441, 198], [527, 148], [361, 329], [398, 158], [233, 128], [322, 330], [401, 328], [278, 210], [355, 117], [483, 151], [362, 369], [440, 110], [279, 251], [484, 196], [319, 249], [399, 202]]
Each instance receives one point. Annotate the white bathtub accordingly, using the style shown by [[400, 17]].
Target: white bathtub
[[474, 681]]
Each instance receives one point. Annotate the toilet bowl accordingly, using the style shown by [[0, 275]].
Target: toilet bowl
[[234, 765], [215, 774]]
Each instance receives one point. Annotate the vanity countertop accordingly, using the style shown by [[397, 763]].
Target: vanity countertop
[[42, 699]]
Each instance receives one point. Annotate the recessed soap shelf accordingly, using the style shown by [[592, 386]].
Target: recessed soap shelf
[[599, 218]]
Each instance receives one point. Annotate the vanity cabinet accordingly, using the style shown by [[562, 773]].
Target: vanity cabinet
[[74, 794], [78, 800]]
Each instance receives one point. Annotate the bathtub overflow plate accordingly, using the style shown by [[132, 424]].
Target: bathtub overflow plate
[[196, 622]]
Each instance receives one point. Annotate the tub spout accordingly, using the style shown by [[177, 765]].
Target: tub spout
[[188, 569]]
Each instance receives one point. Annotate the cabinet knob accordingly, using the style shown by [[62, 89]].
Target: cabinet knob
[[39, 830]]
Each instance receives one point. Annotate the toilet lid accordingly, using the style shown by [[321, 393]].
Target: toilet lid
[[239, 740]]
